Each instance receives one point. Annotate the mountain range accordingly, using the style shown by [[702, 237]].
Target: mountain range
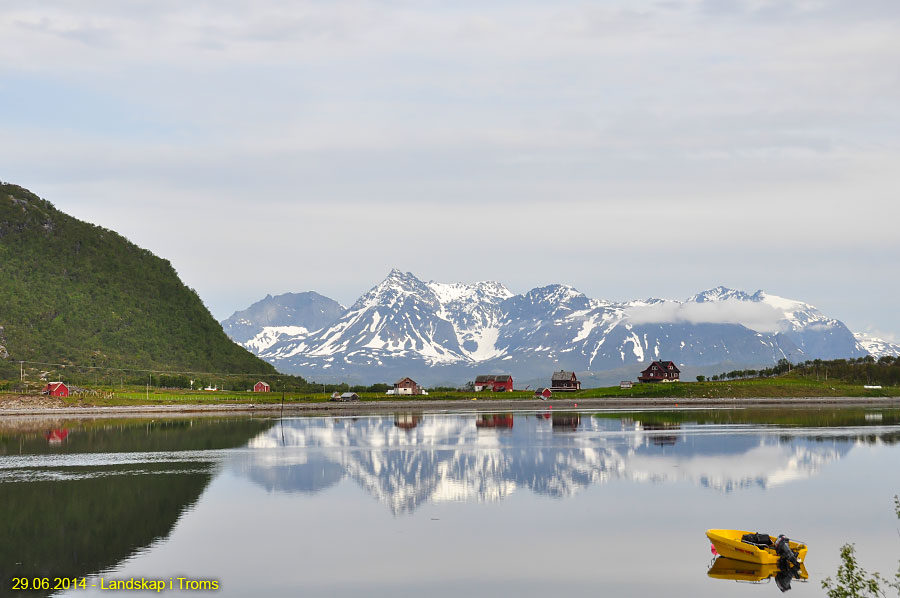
[[448, 333]]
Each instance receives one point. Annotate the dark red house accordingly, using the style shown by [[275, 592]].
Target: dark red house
[[543, 393], [261, 387], [564, 381], [660, 371], [56, 389], [495, 383], [406, 386]]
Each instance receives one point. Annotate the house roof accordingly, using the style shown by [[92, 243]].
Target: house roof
[[55, 385], [485, 378], [263, 383], [349, 395], [502, 378], [562, 375], [664, 365], [540, 390], [402, 380]]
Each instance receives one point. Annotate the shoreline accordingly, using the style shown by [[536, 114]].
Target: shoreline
[[443, 405]]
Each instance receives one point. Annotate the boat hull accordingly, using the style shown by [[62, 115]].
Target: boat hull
[[728, 543], [726, 568]]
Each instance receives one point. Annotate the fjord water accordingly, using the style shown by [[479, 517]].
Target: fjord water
[[531, 503]]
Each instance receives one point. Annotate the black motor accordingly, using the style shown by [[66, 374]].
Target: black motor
[[783, 549], [785, 576]]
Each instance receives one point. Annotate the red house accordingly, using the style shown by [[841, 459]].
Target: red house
[[56, 389], [565, 381], [495, 383], [543, 393], [261, 387], [660, 371]]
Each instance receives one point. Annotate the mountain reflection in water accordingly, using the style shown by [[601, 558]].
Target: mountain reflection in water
[[407, 460]]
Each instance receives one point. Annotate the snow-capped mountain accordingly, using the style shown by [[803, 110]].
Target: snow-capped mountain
[[438, 332], [284, 316], [877, 347]]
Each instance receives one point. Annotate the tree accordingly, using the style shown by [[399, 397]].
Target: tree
[[852, 581], [701, 378]]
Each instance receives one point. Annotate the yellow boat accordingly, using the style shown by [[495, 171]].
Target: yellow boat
[[729, 543], [725, 568]]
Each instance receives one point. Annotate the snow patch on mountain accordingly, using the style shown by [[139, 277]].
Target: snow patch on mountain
[[877, 347], [404, 326], [270, 335]]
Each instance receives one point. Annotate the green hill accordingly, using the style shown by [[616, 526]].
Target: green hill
[[76, 293]]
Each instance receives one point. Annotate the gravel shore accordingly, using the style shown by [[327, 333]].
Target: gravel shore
[[30, 405]]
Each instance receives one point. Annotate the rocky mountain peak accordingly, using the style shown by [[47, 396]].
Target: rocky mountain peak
[[721, 293]]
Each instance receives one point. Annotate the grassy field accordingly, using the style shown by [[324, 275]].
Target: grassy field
[[781, 387]]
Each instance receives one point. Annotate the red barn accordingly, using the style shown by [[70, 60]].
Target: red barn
[[543, 393], [495, 383], [261, 387], [660, 371], [56, 389]]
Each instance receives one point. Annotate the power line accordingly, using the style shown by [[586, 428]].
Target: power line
[[151, 371]]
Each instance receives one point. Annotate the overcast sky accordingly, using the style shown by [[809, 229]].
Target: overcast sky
[[630, 149]]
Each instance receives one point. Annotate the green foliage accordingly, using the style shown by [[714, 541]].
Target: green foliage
[[862, 370], [852, 580], [76, 293], [701, 378]]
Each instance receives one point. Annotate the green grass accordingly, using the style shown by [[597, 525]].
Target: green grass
[[782, 387]]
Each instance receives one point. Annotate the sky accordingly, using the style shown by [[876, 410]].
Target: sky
[[630, 149]]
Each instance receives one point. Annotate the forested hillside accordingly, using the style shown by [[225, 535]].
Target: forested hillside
[[76, 293]]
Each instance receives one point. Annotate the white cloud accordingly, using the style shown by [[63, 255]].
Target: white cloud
[[735, 141], [755, 316]]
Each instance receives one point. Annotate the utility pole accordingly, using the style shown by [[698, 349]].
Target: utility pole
[[22, 371]]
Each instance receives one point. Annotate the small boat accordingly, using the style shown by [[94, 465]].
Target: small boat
[[754, 547]]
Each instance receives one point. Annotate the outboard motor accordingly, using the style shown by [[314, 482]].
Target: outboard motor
[[783, 580], [786, 574], [783, 550]]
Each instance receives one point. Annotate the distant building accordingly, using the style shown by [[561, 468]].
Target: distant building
[[564, 381], [543, 393], [495, 383], [625, 384], [345, 397], [261, 387], [56, 389], [406, 386], [660, 371]]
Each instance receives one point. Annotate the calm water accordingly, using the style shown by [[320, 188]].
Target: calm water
[[526, 503]]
